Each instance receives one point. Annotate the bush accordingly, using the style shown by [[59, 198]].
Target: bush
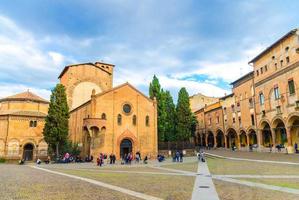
[[70, 147], [2, 160]]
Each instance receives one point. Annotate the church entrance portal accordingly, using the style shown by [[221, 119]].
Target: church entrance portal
[[28, 152], [125, 147]]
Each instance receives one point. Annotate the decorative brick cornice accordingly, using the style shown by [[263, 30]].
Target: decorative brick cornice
[[279, 73]]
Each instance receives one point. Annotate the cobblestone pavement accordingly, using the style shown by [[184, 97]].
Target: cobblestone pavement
[[23, 182]]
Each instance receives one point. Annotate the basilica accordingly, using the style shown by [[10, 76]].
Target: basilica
[[107, 119], [103, 119]]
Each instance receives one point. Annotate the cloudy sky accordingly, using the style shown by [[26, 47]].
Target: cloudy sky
[[201, 45]]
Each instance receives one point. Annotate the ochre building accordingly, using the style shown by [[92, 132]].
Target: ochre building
[[263, 110], [22, 119], [107, 119]]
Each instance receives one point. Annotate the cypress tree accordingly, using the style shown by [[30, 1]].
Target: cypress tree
[[56, 126], [170, 118], [162, 115], [155, 88], [184, 116], [156, 91]]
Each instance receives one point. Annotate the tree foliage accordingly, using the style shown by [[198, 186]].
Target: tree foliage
[[154, 88], [184, 116], [56, 126], [170, 121], [174, 123]]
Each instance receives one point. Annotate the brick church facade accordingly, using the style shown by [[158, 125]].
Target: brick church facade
[[106, 119]]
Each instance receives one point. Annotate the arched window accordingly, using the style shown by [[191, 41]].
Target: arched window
[[134, 120], [119, 119], [33, 124], [147, 120], [103, 116]]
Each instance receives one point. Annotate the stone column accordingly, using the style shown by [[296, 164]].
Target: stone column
[[273, 133], [260, 139], [238, 141], [215, 141], [247, 139], [290, 147]]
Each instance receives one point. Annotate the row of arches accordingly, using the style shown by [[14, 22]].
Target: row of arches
[[228, 140], [277, 133], [28, 149]]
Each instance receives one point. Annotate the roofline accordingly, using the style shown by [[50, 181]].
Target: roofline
[[275, 43], [83, 104], [112, 89], [16, 115], [121, 85], [202, 95], [216, 108], [226, 96], [200, 109], [89, 63], [242, 77], [105, 63], [24, 99]]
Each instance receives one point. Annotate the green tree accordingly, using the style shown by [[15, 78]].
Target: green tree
[[170, 127], [155, 91], [154, 88], [56, 126], [184, 116], [162, 115], [70, 147]]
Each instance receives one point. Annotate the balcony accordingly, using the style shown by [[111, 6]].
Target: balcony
[[97, 122]]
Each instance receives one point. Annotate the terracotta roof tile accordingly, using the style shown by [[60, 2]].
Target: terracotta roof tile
[[24, 96]]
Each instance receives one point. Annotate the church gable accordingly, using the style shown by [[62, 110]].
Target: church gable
[[81, 79], [126, 89]]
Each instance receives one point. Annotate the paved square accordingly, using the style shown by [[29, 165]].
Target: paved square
[[230, 176]]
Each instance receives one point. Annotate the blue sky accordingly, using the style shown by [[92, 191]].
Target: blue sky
[[201, 45]]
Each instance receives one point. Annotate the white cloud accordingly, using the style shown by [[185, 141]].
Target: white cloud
[[192, 87], [57, 58], [24, 63], [19, 49], [12, 89], [227, 71], [164, 54]]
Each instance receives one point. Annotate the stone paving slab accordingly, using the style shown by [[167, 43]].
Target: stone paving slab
[[204, 188]]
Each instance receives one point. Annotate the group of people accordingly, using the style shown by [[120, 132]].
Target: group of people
[[178, 156], [100, 159], [126, 158], [160, 158], [112, 159]]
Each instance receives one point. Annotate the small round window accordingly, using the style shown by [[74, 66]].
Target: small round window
[[127, 108]]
